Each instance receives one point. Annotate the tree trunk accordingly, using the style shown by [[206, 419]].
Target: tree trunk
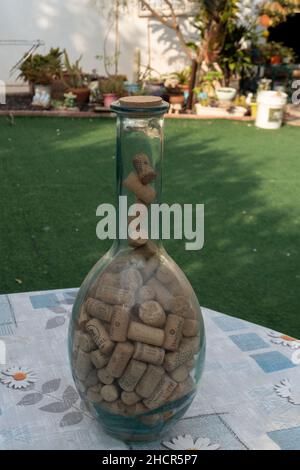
[[192, 84]]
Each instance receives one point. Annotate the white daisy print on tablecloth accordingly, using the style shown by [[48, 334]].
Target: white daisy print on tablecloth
[[289, 390], [18, 377], [284, 340], [187, 442]]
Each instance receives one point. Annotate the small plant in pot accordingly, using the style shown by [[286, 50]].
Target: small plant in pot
[[154, 86], [275, 53], [112, 88], [40, 71], [175, 94], [74, 79]]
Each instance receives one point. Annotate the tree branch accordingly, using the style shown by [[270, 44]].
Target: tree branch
[[156, 14], [168, 2], [172, 25]]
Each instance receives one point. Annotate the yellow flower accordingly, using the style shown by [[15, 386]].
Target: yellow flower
[[266, 34]]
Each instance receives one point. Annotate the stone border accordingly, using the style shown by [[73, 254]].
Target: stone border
[[92, 115]]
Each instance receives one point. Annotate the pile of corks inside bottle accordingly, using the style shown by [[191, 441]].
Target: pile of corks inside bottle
[[138, 332]]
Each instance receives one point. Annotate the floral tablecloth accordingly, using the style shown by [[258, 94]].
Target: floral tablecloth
[[249, 397]]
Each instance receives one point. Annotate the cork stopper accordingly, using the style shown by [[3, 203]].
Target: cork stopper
[[141, 101]]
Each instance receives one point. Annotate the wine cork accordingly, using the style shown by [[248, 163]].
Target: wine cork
[[94, 394], [133, 373], [83, 318], [145, 193], [137, 260], [105, 377], [162, 295], [92, 378], [115, 295], [192, 343], [175, 359], [116, 407], [173, 332], [119, 359], [135, 241], [110, 279], [145, 334], [92, 290], [81, 387], [152, 314], [163, 391], [176, 288], [180, 306], [98, 309], [149, 354], [180, 374], [86, 343], [109, 393], [99, 335], [148, 250], [183, 389], [143, 168], [151, 420], [190, 364], [149, 381], [83, 365], [99, 359], [165, 275], [150, 268], [131, 279], [118, 265], [145, 294], [119, 324], [190, 327], [140, 408], [130, 398], [76, 339]]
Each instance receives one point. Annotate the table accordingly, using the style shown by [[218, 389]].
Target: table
[[249, 397]]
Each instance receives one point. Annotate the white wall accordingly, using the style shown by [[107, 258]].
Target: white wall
[[80, 28]]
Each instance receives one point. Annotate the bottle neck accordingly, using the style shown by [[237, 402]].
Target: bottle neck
[[139, 178]]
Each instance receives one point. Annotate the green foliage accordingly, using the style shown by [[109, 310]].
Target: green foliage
[[41, 69], [279, 10], [183, 76], [234, 58], [73, 75], [274, 48], [112, 84]]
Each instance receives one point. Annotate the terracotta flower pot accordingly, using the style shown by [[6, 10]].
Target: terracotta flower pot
[[82, 94], [109, 98], [276, 60], [176, 99]]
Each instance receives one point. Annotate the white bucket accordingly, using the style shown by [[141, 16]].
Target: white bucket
[[270, 109]]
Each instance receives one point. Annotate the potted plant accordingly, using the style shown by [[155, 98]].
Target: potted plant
[[40, 71], [74, 79], [275, 53], [112, 88], [154, 86], [175, 94]]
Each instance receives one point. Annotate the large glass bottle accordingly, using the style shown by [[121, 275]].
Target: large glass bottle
[[136, 337]]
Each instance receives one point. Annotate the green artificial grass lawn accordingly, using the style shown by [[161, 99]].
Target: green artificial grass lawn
[[55, 172]]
